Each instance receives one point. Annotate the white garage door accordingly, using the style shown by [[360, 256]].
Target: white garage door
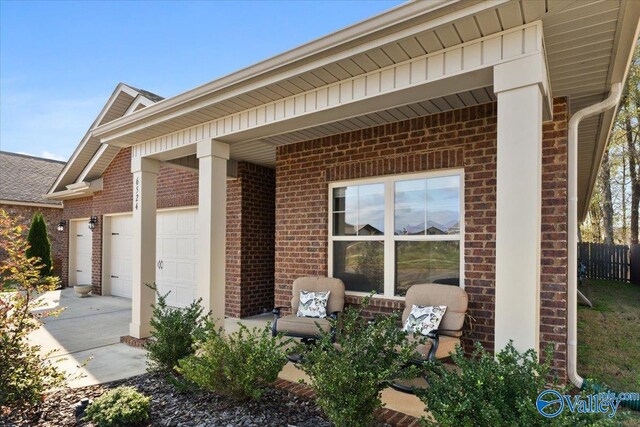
[[80, 250], [175, 255], [119, 257]]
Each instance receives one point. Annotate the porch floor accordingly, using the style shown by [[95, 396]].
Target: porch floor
[[85, 339]]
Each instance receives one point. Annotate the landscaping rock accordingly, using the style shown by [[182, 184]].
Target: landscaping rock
[[169, 408]]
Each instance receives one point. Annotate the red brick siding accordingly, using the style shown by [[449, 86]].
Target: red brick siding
[[258, 238], [250, 241], [233, 292], [52, 217], [461, 138], [553, 278]]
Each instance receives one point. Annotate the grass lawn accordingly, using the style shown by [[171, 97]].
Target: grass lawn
[[609, 335]]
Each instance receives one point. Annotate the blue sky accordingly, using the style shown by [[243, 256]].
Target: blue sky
[[60, 61]]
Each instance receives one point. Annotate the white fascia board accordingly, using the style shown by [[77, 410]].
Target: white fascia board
[[96, 157], [301, 59], [140, 100], [76, 190]]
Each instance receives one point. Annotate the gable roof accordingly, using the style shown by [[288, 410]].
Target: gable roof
[[90, 158], [26, 179]]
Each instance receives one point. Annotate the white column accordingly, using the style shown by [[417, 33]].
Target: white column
[[212, 224], [143, 255], [519, 86]]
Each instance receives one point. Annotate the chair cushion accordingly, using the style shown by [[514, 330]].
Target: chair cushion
[[322, 284], [307, 326], [424, 319], [313, 304], [454, 297], [446, 345]]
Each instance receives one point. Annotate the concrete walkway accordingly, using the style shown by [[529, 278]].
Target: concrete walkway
[[88, 332]]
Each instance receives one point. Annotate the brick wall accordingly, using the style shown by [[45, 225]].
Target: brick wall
[[461, 138], [52, 217], [553, 277], [258, 238], [250, 241]]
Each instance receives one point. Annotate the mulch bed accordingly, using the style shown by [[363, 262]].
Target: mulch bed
[[169, 408]]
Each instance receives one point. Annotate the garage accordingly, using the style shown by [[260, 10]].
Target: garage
[[175, 255], [118, 255], [80, 251]]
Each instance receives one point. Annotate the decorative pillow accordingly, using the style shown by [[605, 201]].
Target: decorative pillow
[[313, 304], [424, 319]]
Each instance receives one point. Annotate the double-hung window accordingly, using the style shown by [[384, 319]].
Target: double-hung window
[[389, 233]]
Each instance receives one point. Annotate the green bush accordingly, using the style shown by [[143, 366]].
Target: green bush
[[25, 373], [174, 332], [349, 377], [122, 406], [238, 365], [494, 391], [39, 244]]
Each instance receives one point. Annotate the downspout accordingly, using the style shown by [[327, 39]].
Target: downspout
[[572, 283]]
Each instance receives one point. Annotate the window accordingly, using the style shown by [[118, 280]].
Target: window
[[390, 233]]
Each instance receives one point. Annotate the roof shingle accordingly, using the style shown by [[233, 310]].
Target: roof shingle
[[26, 178]]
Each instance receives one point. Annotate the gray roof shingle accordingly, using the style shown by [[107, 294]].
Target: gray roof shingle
[[26, 178]]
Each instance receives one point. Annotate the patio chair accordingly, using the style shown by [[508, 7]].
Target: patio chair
[[308, 328], [440, 343]]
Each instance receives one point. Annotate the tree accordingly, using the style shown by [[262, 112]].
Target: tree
[[25, 372], [614, 209], [607, 205], [39, 244]]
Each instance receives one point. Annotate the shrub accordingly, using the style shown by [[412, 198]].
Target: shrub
[[348, 377], [174, 332], [39, 243], [493, 391], [25, 374], [238, 365], [122, 406]]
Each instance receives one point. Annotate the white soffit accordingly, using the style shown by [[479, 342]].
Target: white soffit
[[587, 46]]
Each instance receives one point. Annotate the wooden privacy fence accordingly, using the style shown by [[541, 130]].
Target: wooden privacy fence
[[609, 262]]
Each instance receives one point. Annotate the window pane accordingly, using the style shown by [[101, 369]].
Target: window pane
[[426, 262], [358, 210], [360, 265], [370, 209], [443, 205], [410, 199]]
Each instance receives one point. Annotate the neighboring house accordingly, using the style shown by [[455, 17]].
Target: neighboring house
[[24, 180], [232, 190]]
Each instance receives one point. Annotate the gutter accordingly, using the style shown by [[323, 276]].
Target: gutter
[[572, 283]]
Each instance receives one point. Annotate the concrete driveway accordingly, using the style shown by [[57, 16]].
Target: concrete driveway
[[88, 332]]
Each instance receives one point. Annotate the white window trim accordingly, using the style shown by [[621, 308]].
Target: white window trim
[[389, 238]]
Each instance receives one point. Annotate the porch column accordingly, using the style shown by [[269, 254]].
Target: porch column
[[212, 221], [519, 86], [143, 255]]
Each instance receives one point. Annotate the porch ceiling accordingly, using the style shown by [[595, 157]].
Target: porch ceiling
[[587, 42], [263, 151]]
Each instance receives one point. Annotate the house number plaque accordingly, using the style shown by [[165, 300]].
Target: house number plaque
[[137, 194]]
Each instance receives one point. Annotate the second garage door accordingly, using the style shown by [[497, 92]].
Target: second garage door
[[176, 261]]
